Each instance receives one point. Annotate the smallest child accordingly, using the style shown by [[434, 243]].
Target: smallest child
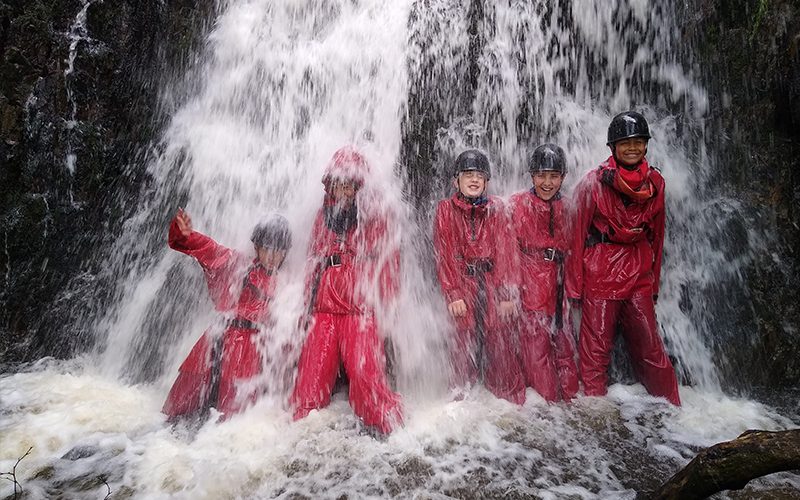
[[539, 215], [219, 370]]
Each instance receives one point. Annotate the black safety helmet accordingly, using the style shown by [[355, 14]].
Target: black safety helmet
[[473, 160], [626, 125], [273, 233], [548, 158]]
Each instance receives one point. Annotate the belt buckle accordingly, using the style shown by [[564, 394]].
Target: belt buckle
[[334, 260], [549, 254]]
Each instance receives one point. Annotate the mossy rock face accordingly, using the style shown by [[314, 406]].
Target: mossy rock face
[[52, 219], [748, 50]]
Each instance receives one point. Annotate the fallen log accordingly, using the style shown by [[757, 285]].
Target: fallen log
[[732, 464]]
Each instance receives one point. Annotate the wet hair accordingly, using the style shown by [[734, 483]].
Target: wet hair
[[273, 233]]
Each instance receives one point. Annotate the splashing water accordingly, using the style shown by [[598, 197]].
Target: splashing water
[[285, 84]]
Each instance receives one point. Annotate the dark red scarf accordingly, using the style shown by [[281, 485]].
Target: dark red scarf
[[635, 184]]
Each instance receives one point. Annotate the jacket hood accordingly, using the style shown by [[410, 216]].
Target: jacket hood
[[346, 163]]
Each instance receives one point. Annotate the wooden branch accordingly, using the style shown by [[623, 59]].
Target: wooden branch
[[732, 464]]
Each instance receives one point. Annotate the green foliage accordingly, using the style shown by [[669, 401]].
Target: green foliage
[[763, 6]]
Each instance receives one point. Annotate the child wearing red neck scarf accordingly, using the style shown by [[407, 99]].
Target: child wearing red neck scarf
[[615, 266]]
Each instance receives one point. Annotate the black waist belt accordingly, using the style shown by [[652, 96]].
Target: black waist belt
[[595, 236], [548, 254], [479, 267], [560, 294], [244, 324], [333, 260], [553, 254]]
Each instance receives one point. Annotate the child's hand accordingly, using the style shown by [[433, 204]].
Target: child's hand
[[184, 222], [507, 309], [457, 308]]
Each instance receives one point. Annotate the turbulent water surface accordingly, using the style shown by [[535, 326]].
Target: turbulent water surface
[[282, 85]]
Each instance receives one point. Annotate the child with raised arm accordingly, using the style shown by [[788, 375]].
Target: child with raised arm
[[216, 372]]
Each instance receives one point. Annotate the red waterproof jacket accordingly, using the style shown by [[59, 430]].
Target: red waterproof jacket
[[347, 268], [542, 234], [629, 259], [464, 234], [234, 286]]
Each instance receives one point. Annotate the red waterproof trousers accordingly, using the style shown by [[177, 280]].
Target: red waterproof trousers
[[501, 370], [548, 360], [239, 362], [636, 316], [351, 340]]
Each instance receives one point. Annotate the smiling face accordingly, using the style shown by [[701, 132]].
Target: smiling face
[[630, 152], [471, 184], [546, 184]]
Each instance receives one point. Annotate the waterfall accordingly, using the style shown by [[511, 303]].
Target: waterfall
[[536, 72], [285, 85], [282, 84]]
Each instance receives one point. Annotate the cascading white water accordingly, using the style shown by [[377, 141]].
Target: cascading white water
[[77, 34], [287, 82]]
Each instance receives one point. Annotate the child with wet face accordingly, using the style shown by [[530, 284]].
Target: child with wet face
[[473, 246], [346, 276], [540, 220], [216, 372]]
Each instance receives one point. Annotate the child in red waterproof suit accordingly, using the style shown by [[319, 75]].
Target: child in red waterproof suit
[[615, 265], [217, 371], [350, 264], [474, 258], [539, 216]]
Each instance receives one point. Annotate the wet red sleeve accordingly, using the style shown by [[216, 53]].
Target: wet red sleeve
[[448, 269], [583, 207], [314, 256], [507, 255], [218, 262], [386, 256], [659, 222]]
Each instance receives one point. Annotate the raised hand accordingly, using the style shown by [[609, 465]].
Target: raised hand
[[184, 222]]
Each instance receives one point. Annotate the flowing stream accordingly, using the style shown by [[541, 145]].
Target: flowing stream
[[284, 84]]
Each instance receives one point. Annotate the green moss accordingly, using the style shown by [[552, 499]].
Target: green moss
[[763, 5]]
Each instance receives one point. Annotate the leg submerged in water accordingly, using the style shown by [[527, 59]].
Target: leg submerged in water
[[365, 363], [650, 360], [317, 367]]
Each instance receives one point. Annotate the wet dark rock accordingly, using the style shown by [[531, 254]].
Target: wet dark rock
[[54, 223], [414, 466], [80, 452], [749, 52], [295, 468]]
